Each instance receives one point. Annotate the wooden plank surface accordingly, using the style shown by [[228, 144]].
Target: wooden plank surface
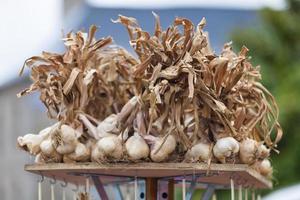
[[219, 174]]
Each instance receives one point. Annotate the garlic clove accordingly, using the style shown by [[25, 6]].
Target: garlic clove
[[248, 150], [136, 147], [225, 148]]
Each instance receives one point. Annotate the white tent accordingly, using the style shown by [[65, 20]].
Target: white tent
[[288, 193]]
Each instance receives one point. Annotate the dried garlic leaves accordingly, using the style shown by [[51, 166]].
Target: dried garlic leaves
[[92, 77]]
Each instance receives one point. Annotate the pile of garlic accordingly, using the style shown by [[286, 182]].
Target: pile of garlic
[[177, 102]]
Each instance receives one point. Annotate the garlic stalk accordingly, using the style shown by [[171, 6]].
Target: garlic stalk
[[108, 125], [225, 148]]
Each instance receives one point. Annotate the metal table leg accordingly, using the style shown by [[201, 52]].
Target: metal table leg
[[209, 192], [191, 189], [100, 188]]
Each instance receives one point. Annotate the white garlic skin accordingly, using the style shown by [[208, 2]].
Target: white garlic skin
[[136, 147], [248, 151], [225, 148], [166, 149], [199, 152]]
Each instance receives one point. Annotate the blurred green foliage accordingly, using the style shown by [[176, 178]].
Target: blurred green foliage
[[275, 46]]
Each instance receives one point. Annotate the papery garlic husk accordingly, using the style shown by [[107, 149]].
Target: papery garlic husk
[[81, 153], [198, 153], [263, 152], [264, 167], [160, 151], [248, 151], [136, 147], [30, 143], [225, 148]]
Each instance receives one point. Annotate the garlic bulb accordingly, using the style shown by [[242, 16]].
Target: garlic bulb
[[225, 148], [248, 151], [81, 153], [161, 147], [65, 148], [47, 147], [30, 143], [264, 167], [108, 147], [69, 134], [136, 147], [48, 151], [199, 152]]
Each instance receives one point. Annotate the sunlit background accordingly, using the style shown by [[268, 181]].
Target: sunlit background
[[269, 28]]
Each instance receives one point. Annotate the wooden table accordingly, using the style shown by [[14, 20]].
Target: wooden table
[[196, 174]]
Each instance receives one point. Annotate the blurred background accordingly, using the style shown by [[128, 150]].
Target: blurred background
[[269, 28]]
